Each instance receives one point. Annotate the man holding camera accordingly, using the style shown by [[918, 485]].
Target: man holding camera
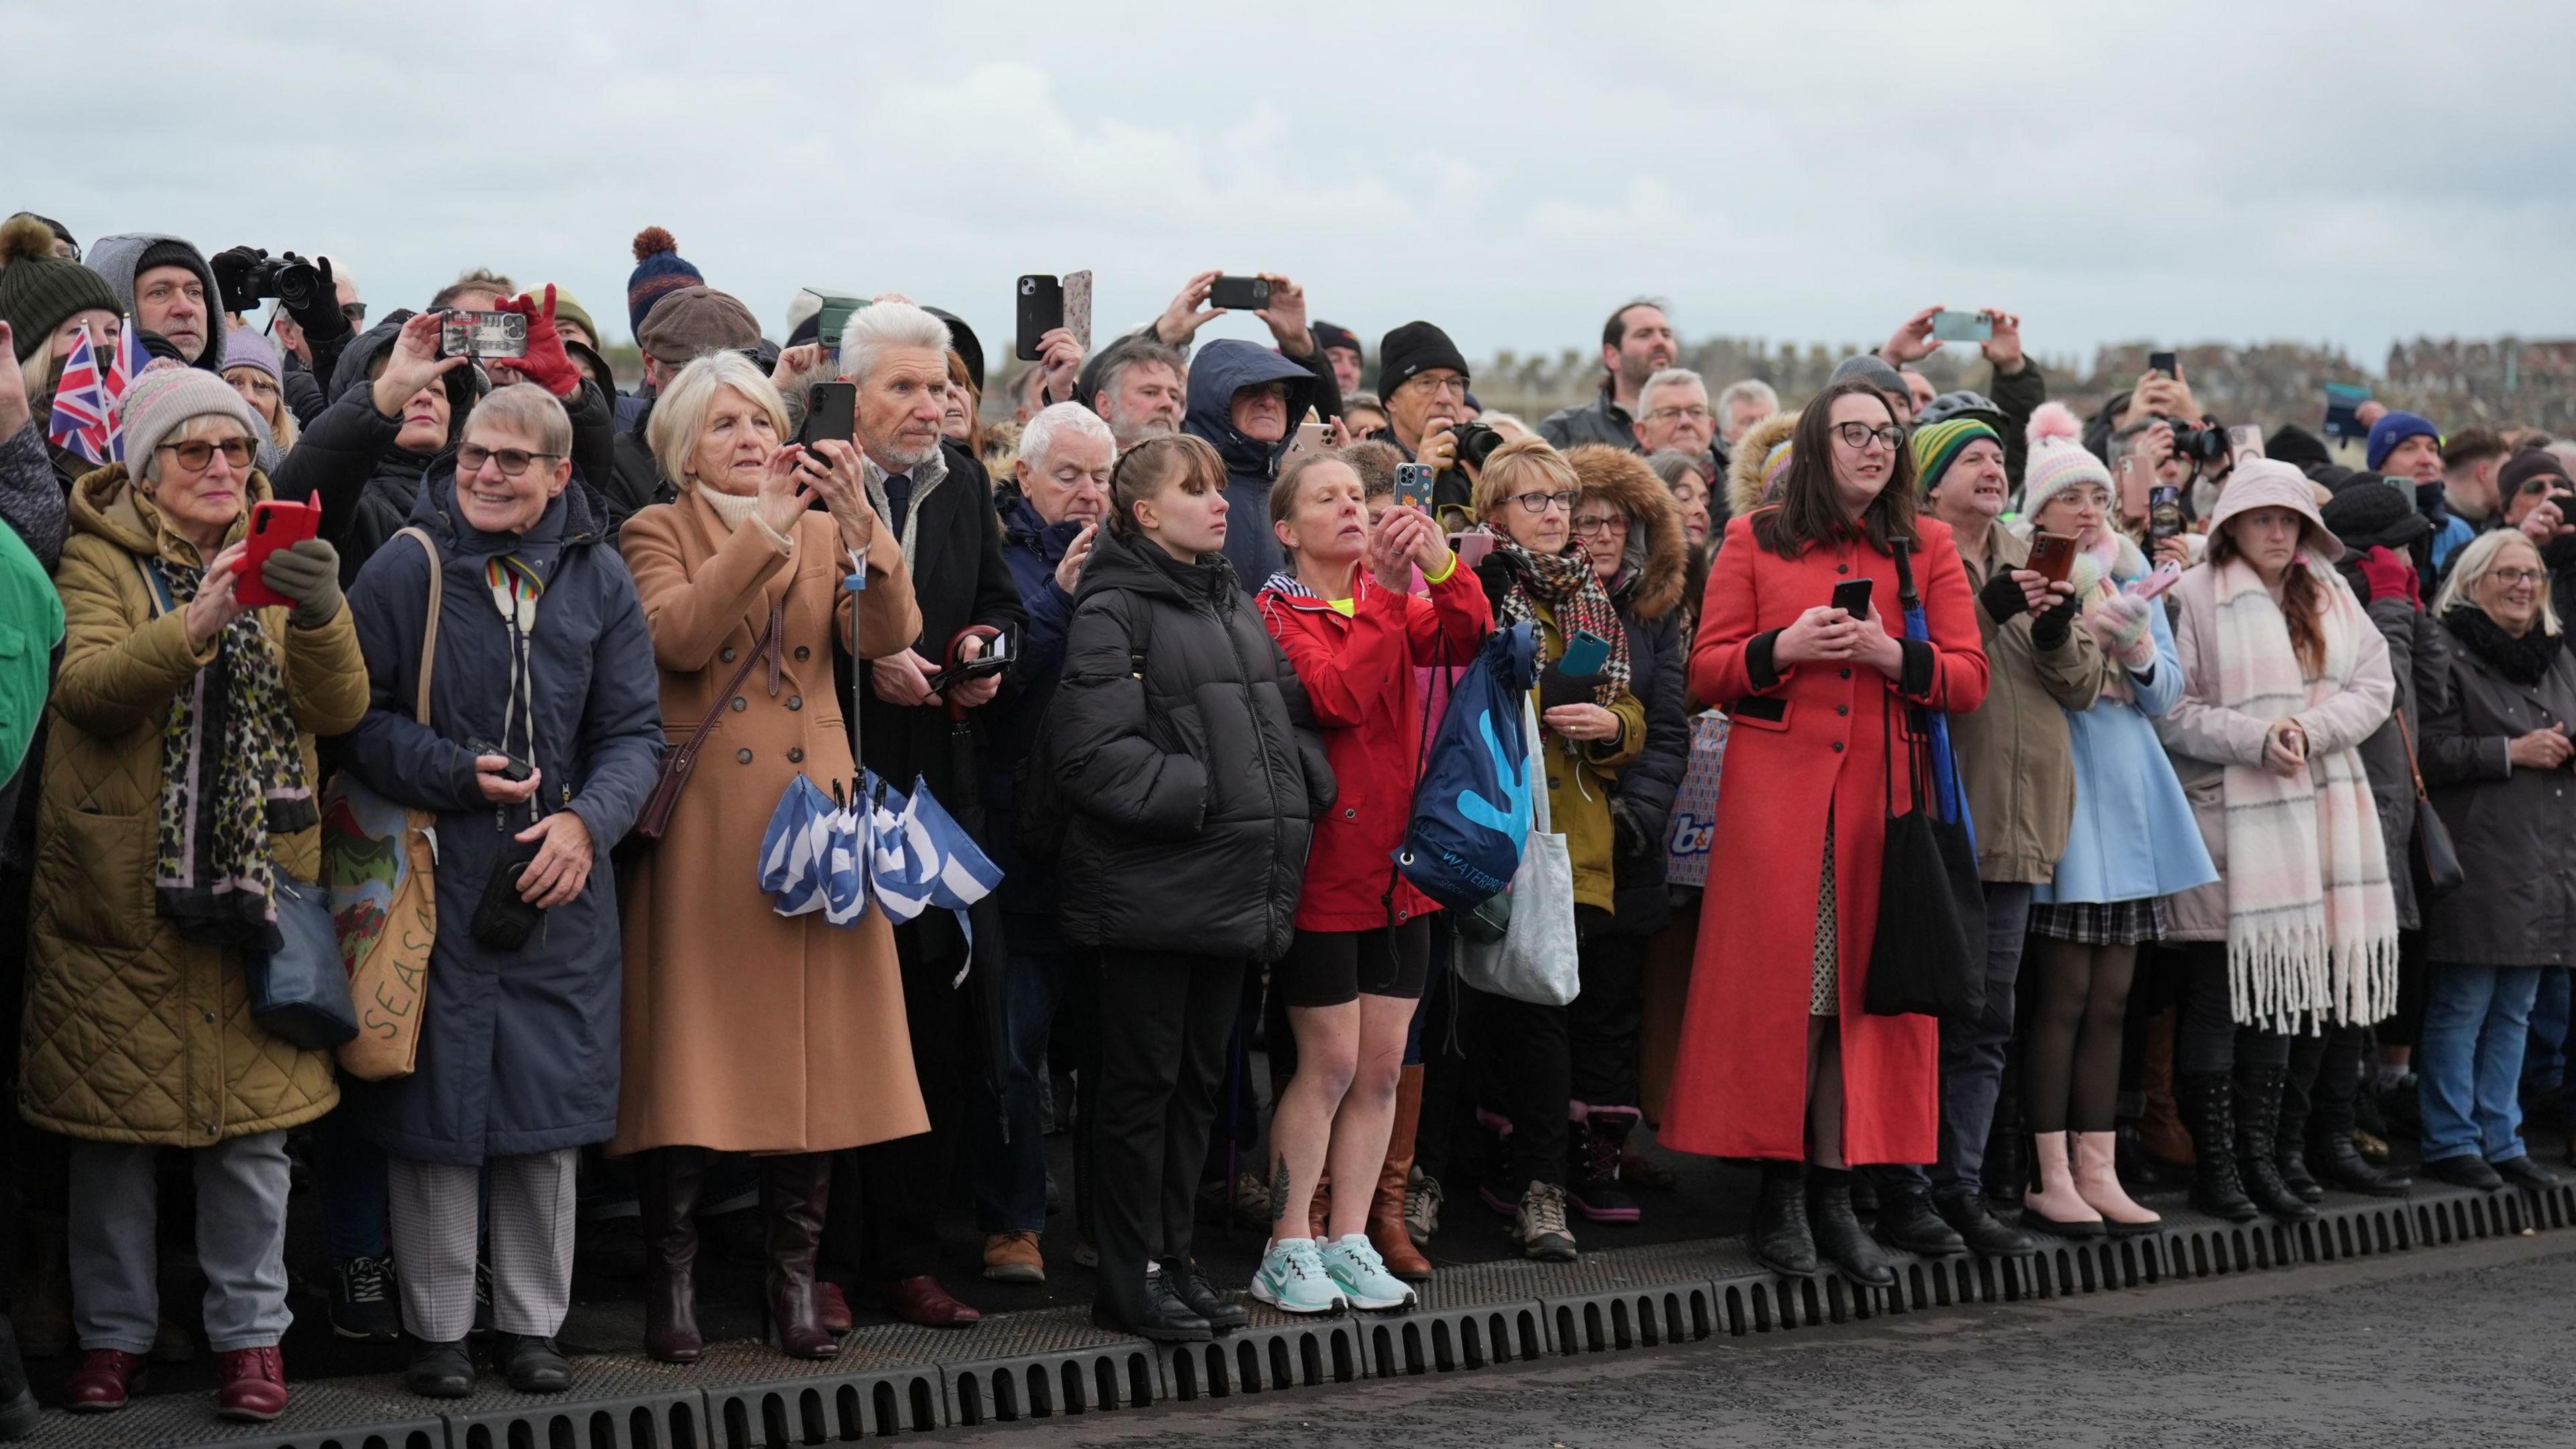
[[1636, 343]]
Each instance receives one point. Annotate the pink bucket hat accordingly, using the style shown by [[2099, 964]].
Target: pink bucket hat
[[2268, 483]]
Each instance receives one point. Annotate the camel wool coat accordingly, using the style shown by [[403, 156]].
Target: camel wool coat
[[745, 1030]]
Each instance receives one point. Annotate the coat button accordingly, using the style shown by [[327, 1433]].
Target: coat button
[[1838, 747], [210, 1018], [1842, 568], [740, 704], [1350, 812], [1845, 673], [795, 701], [802, 652], [725, 654], [743, 757], [1842, 709], [795, 754], [1551, 782]]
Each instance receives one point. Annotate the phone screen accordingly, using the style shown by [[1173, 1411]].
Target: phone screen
[[1852, 597]]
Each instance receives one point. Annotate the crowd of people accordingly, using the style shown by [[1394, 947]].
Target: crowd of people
[[2265, 861]]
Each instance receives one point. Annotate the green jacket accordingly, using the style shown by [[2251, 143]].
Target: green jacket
[[2014, 753], [31, 624]]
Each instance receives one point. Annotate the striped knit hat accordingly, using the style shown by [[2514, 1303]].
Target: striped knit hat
[[659, 271], [1937, 445], [2058, 460]]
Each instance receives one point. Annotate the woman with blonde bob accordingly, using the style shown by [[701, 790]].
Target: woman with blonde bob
[[2495, 754], [745, 1030]]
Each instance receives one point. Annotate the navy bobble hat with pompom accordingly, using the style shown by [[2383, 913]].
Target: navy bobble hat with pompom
[[659, 271]]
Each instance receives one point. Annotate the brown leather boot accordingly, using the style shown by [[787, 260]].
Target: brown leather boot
[[793, 1189], [1386, 1229], [666, 1186], [1319, 1210], [2160, 1130]]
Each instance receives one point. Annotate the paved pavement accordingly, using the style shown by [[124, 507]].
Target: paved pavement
[[2465, 1345]]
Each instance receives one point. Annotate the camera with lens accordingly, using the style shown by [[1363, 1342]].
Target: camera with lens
[[1476, 443], [247, 275], [2197, 443]]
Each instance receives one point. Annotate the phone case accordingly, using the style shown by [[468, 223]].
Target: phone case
[[830, 411], [1962, 327], [286, 524], [1077, 307], [1041, 312], [1239, 294], [2052, 556]]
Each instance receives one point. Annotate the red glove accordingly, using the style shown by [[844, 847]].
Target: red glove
[[2391, 575], [547, 364]]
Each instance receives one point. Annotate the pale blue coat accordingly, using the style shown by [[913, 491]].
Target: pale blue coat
[[2133, 835]]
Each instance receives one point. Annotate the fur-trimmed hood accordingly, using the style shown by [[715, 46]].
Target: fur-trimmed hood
[[1658, 559], [1744, 471]]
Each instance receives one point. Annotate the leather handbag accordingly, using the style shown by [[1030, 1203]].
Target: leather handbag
[[2436, 863], [1928, 956], [300, 991], [679, 763]]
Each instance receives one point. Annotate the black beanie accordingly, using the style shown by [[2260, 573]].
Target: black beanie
[[969, 347], [1413, 348], [2528, 464], [2367, 513], [2299, 448]]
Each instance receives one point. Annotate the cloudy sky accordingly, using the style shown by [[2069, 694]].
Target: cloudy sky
[[1802, 170]]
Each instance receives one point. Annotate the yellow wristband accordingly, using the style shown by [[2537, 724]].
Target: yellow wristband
[[1446, 570]]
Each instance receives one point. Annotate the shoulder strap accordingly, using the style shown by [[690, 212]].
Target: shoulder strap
[[2406, 736], [155, 587], [429, 628]]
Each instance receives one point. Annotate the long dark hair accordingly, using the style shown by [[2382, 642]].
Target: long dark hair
[[2303, 600], [1809, 511]]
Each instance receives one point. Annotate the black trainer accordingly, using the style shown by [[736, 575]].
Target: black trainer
[[1906, 1220], [439, 1370], [1983, 1232], [362, 1301], [533, 1365]]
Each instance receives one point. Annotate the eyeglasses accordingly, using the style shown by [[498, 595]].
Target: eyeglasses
[[1607, 523], [1453, 386], [1542, 502], [197, 453], [2510, 577], [470, 458], [1856, 436], [354, 311], [1666, 415]]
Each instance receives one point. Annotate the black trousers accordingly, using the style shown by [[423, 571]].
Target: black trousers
[[1604, 1022], [2325, 1077], [1166, 1017], [2208, 1038], [883, 1218], [1523, 1073]]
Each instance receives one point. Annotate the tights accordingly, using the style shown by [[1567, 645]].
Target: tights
[[2071, 1061]]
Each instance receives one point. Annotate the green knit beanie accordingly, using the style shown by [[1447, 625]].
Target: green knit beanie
[[38, 290]]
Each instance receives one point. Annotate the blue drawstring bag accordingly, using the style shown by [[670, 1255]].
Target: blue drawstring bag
[[1471, 809]]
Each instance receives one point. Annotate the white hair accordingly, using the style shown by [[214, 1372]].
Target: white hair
[[1751, 389], [806, 303], [871, 330], [2478, 560], [680, 413], [1038, 438], [1672, 377]]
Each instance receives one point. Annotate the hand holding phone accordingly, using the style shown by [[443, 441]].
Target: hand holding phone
[[274, 525], [2165, 363], [2052, 556], [1041, 311], [2137, 486], [1413, 486], [2162, 577], [482, 334], [1852, 597]]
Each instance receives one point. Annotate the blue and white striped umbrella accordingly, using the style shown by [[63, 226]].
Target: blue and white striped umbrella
[[920, 857], [794, 846]]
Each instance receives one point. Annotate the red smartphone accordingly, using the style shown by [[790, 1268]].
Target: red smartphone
[[2052, 556], [273, 526]]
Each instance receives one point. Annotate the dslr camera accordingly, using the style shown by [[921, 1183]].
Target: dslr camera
[[2197, 443], [247, 275], [1476, 443]]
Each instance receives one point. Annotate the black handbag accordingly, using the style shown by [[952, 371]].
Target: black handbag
[[2436, 864], [1928, 957], [503, 920], [300, 991]]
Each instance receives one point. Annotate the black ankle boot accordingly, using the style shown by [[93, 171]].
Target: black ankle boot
[[18, 1412], [533, 1365], [2208, 1103], [1839, 1235], [1151, 1309], [1781, 1239], [1906, 1220], [2258, 1125], [2341, 1165]]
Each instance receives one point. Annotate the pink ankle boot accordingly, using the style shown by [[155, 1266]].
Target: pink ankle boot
[[2097, 1181], [2057, 1207]]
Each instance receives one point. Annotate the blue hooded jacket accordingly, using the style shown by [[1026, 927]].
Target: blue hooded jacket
[[1221, 370]]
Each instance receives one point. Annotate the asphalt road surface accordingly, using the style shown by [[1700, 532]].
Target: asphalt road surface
[[2451, 1346]]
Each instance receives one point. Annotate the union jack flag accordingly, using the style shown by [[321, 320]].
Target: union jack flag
[[82, 422], [122, 370]]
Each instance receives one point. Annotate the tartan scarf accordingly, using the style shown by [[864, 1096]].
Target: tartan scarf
[[2311, 920], [231, 777], [1575, 598]]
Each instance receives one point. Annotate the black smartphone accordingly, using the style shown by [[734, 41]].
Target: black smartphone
[[1852, 597], [516, 771], [2164, 513], [1240, 294], [1041, 312], [2163, 362], [2343, 410], [831, 409], [995, 658]]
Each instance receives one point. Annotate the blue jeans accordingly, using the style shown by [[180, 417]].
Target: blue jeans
[[1972, 1061], [1010, 1177], [2477, 1020]]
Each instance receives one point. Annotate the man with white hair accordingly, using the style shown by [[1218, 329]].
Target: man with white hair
[[1051, 511], [935, 496], [1673, 413], [1744, 403]]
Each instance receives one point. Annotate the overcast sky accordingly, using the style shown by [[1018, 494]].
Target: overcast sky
[[1801, 170]]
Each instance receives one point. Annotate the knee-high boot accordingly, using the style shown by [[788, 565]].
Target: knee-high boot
[[2258, 1122], [793, 1191], [1386, 1209], [666, 1187]]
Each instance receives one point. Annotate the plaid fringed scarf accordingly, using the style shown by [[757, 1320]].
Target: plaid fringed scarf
[[2311, 921], [1566, 584], [231, 777]]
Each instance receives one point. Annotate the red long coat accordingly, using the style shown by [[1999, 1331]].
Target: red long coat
[[1814, 738], [1359, 673]]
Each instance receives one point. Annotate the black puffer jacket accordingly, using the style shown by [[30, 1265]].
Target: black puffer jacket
[[1193, 789]]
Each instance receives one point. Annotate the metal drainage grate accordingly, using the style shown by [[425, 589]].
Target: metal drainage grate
[[828, 1409], [647, 1406], [1445, 1340], [1630, 1317], [1123, 1375], [1276, 1352]]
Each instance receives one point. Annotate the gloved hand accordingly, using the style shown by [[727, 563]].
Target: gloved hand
[[2119, 621], [1627, 832], [232, 268], [2391, 575], [321, 317], [309, 573], [547, 364]]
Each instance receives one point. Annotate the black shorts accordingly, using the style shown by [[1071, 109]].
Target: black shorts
[[1328, 968]]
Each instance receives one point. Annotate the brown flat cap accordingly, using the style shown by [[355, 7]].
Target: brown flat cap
[[694, 321]]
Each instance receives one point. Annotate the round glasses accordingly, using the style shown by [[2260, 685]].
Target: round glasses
[[197, 453]]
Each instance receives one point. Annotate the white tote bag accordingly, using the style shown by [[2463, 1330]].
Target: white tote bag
[[1534, 962]]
